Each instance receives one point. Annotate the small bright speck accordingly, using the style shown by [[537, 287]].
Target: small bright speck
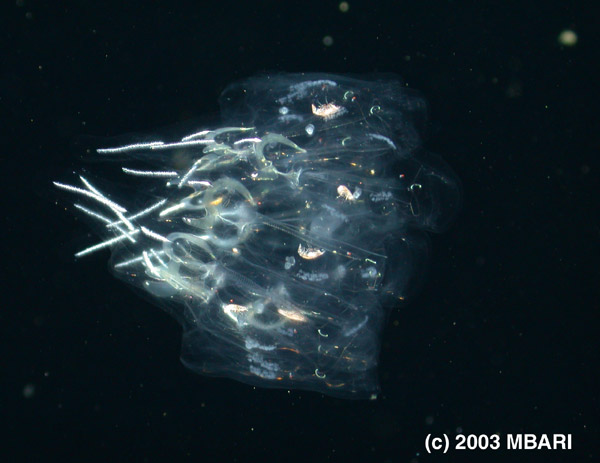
[[328, 40], [29, 391], [344, 7], [567, 38]]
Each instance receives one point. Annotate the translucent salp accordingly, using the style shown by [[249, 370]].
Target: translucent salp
[[278, 239]]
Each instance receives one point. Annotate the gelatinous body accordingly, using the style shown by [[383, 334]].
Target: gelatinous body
[[278, 238]]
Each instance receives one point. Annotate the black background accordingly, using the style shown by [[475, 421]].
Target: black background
[[503, 336]]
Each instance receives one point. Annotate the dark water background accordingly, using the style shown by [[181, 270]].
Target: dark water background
[[503, 337]]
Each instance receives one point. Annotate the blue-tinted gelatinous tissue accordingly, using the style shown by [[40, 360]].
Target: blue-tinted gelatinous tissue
[[277, 238]]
